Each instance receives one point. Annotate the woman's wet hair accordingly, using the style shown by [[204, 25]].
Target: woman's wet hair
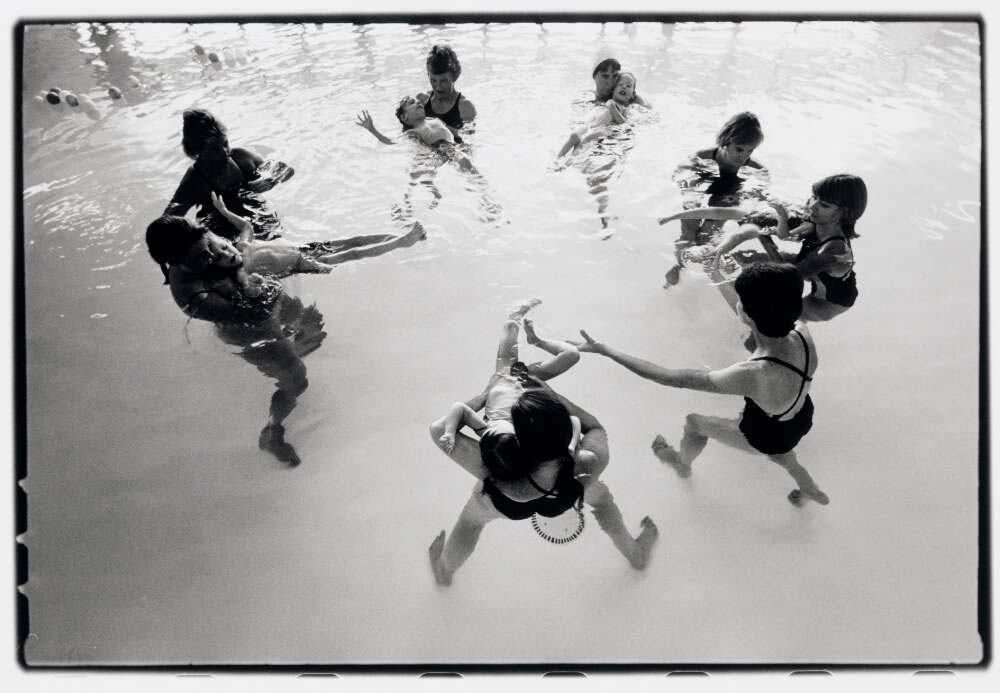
[[771, 294], [443, 59], [742, 128], [605, 64], [542, 424], [848, 192], [169, 238], [199, 127], [503, 457]]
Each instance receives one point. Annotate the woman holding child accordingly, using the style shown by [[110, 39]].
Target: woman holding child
[[538, 454]]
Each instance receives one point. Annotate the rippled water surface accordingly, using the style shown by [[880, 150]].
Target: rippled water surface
[[160, 533]]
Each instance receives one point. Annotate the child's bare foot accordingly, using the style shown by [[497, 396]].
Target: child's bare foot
[[644, 543], [798, 496], [529, 332], [440, 574], [667, 455], [519, 311], [416, 233], [672, 276]]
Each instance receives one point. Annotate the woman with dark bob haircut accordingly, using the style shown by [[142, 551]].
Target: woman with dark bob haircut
[[774, 382], [536, 471], [443, 101]]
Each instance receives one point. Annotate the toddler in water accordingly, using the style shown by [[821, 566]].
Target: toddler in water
[[510, 379], [431, 131], [604, 116]]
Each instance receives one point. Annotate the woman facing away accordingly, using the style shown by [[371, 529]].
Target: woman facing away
[[235, 174], [527, 460], [774, 381]]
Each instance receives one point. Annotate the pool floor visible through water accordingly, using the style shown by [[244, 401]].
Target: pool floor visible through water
[[159, 533]]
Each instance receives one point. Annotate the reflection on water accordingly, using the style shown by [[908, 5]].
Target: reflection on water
[[175, 525]]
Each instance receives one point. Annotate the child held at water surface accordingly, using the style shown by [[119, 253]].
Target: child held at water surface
[[602, 117], [430, 131]]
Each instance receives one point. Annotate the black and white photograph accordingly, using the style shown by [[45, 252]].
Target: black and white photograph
[[644, 340]]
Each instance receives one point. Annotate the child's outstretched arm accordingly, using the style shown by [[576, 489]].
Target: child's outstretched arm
[[365, 121], [458, 416], [714, 213]]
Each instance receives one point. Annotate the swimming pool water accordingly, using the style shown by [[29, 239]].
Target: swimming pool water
[[159, 533]]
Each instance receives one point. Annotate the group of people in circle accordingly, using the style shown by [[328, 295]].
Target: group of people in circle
[[534, 453]]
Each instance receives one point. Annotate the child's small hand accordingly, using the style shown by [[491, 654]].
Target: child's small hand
[[218, 202], [365, 121], [779, 209], [447, 442], [254, 285], [192, 214]]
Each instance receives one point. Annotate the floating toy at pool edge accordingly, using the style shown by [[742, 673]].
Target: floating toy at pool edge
[[71, 99]]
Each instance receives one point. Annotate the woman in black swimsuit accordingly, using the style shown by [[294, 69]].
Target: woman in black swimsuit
[[443, 101], [532, 472], [272, 330], [774, 382], [237, 175]]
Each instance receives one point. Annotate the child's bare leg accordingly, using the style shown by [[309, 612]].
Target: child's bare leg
[[698, 428], [340, 244], [572, 142], [807, 487], [609, 518], [507, 348], [416, 233], [565, 355]]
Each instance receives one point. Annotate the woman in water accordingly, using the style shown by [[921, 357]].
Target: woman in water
[[272, 330], [443, 101], [774, 382], [825, 257], [604, 116], [526, 461], [236, 174], [734, 146], [605, 76]]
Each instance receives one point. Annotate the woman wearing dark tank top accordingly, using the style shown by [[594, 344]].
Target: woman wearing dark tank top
[[444, 101]]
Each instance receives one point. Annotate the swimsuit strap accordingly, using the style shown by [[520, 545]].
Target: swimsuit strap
[[549, 493], [801, 373]]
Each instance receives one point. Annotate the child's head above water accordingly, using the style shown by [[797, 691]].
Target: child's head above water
[[738, 138], [771, 295], [624, 89], [847, 192], [742, 128], [409, 112]]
